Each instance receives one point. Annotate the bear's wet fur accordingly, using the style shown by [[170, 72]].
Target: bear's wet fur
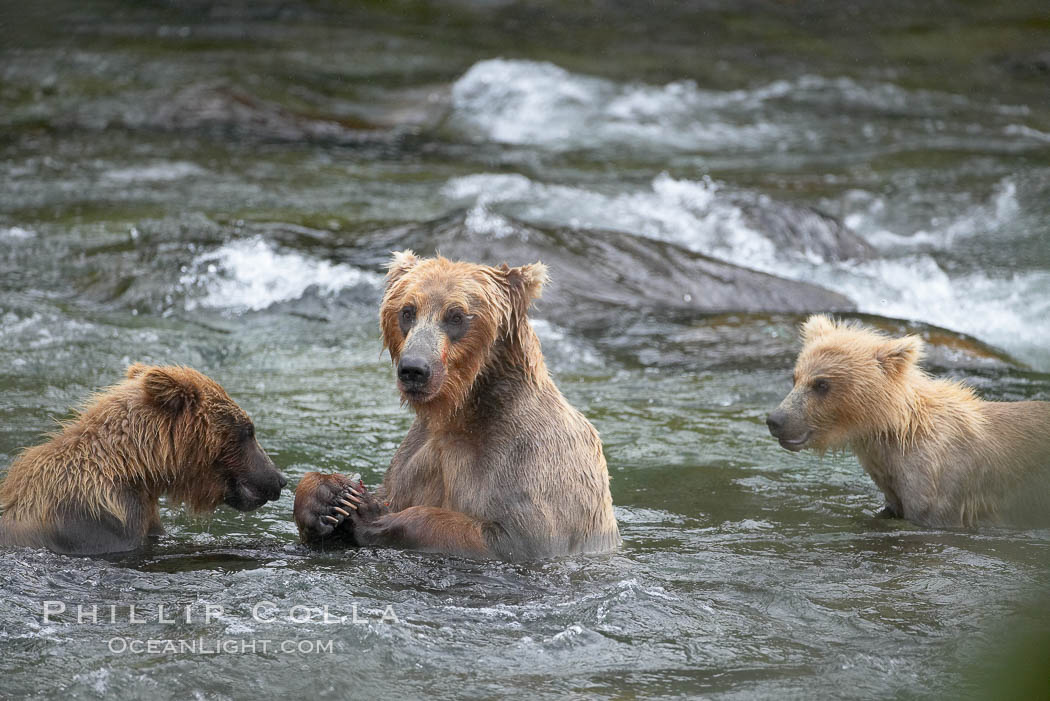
[[497, 463], [941, 455], [94, 487]]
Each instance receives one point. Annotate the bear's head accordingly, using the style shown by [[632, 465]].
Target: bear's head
[[212, 441], [446, 322], [850, 383]]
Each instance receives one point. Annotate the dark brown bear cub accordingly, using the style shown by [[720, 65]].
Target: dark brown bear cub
[[94, 487], [497, 463]]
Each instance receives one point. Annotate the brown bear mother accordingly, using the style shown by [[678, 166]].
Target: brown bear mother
[[497, 463], [93, 488], [942, 456]]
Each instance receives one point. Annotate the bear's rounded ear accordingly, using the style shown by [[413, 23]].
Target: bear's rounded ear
[[896, 355], [400, 263], [525, 284], [816, 326], [170, 389], [136, 369]]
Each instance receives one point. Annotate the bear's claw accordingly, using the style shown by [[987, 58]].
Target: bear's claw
[[321, 505], [366, 519]]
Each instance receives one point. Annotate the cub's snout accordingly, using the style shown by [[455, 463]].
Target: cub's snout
[[791, 434]]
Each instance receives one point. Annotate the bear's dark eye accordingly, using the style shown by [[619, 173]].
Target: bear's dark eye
[[821, 387], [407, 316], [247, 432], [456, 324]]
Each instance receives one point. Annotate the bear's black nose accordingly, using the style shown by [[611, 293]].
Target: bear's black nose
[[282, 480], [413, 371], [776, 421]]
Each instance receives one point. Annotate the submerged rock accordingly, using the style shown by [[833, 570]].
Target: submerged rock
[[597, 275]]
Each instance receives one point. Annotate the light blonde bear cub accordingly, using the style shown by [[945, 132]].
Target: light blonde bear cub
[[942, 456]]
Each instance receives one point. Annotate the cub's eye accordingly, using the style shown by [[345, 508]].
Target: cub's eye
[[408, 315], [821, 387], [455, 317], [247, 432]]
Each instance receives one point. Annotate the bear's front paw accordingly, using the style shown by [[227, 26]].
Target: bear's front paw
[[367, 516], [322, 504]]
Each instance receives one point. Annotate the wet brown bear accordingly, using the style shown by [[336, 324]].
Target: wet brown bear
[[942, 456], [497, 463], [93, 488]]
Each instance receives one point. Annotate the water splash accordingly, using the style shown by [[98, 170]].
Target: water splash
[[15, 233], [541, 104], [250, 275], [157, 172]]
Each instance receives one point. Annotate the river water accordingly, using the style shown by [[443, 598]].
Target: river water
[[200, 183]]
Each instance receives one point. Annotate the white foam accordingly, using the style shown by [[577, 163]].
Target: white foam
[[557, 343], [1025, 131], [11, 323], [157, 172], [42, 330], [249, 274], [573, 631], [97, 679], [942, 232], [488, 187], [529, 103], [691, 213], [538, 103], [481, 220], [15, 233], [1008, 312]]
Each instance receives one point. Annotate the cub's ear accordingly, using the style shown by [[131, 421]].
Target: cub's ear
[[170, 389], [525, 284], [400, 263], [898, 354], [816, 326], [136, 369]]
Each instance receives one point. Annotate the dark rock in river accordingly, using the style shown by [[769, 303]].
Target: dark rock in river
[[228, 109], [744, 342], [599, 274], [232, 112], [1030, 65]]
